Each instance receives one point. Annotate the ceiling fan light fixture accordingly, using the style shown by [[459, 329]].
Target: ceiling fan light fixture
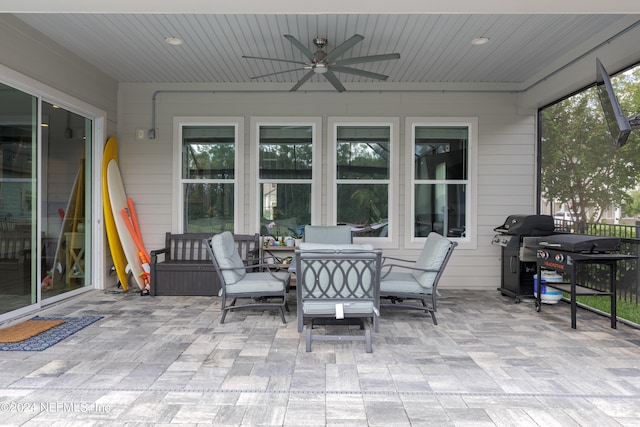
[[328, 63], [320, 42], [479, 41], [320, 68]]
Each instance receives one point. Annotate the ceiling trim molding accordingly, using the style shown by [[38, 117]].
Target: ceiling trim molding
[[326, 6]]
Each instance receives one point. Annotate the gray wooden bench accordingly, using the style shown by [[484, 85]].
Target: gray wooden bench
[[183, 267]]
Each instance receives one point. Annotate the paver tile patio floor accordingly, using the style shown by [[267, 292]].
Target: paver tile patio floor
[[168, 360]]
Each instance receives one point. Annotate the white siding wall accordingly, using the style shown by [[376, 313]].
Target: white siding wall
[[62, 77], [30, 53], [506, 154]]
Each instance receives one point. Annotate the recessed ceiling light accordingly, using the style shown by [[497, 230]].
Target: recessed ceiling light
[[480, 40], [174, 41]]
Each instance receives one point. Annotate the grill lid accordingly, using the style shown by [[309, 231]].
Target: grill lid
[[582, 243], [527, 225]]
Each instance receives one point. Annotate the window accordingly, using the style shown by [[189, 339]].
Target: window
[[208, 175], [285, 176], [441, 176], [363, 155]]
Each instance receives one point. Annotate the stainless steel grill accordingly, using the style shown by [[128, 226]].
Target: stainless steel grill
[[518, 259]]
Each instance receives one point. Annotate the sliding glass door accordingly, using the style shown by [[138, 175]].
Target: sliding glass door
[[58, 186], [18, 136]]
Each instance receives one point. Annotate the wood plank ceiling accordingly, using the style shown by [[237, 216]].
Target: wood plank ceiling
[[434, 48]]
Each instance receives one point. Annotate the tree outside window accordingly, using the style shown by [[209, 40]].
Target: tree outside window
[[582, 172], [363, 178], [440, 178], [285, 174], [208, 178]]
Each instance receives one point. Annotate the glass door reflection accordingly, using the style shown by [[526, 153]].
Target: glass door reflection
[[18, 114], [65, 200]]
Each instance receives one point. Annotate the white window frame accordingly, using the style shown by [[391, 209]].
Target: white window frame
[[254, 155], [178, 181], [391, 240], [471, 232]]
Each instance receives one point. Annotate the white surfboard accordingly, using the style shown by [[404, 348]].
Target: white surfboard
[[118, 199]]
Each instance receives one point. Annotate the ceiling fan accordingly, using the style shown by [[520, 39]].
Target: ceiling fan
[[326, 64]]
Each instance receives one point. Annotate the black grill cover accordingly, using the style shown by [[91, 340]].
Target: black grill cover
[[581, 243], [527, 225]]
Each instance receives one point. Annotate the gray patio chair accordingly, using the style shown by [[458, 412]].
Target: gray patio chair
[[337, 283], [237, 283], [325, 234], [338, 234], [419, 281]]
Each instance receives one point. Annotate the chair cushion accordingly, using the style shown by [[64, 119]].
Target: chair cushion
[[401, 282], [432, 256], [316, 246], [224, 249], [259, 282], [328, 308], [340, 234]]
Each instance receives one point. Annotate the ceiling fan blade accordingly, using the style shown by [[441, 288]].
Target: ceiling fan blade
[[372, 58], [277, 72], [302, 81], [346, 45], [334, 81], [357, 72], [274, 59], [300, 46]]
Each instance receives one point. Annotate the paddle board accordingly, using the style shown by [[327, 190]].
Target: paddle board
[[118, 199], [131, 221], [117, 253]]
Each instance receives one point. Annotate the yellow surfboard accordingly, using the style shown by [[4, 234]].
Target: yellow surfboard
[[117, 253]]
